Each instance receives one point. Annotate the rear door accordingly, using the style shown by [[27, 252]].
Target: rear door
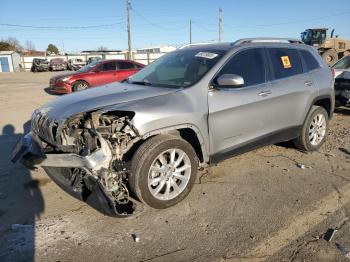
[[291, 88], [125, 69]]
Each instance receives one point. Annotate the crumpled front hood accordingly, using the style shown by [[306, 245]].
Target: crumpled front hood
[[99, 97]]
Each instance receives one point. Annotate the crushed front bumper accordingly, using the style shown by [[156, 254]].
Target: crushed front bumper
[[29, 151]]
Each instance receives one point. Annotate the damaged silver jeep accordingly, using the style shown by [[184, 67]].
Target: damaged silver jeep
[[144, 139]]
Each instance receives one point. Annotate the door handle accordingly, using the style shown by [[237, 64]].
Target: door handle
[[308, 83], [264, 93]]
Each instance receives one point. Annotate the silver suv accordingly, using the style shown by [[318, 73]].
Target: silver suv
[[144, 139]]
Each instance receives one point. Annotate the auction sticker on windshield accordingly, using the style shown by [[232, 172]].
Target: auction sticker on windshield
[[206, 55]]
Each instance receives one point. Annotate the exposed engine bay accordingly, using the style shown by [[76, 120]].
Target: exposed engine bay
[[89, 153]]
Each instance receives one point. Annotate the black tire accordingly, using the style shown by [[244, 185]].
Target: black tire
[[80, 85], [330, 56], [141, 163], [303, 141]]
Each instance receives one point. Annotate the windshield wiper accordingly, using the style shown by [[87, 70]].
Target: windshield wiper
[[144, 83]]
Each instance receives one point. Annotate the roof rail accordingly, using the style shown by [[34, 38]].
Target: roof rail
[[267, 40]]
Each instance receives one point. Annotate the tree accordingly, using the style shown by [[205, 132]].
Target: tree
[[11, 44], [4, 46], [102, 48], [52, 49], [29, 45]]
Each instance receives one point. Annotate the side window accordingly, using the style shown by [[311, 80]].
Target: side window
[[125, 65], [310, 61], [109, 66], [285, 62], [248, 64]]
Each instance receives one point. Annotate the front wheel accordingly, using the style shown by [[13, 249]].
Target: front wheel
[[80, 85], [163, 171], [314, 130]]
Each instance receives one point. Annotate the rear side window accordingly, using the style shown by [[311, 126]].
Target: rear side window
[[248, 64], [285, 62], [109, 66], [310, 61], [125, 65]]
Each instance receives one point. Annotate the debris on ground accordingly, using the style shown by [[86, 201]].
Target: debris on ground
[[302, 166], [329, 234], [136, 238]]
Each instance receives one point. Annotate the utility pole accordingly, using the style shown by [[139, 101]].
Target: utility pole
[[190, 31], [128, 29], [220, 24]]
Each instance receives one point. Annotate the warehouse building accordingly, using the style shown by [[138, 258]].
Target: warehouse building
[[9, 61]]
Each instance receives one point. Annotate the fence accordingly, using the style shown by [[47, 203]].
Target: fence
[[26, 61]]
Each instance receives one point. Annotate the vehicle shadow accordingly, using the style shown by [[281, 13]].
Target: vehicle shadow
[[49, 91], [21, 202]]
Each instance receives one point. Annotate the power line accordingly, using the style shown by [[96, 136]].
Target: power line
[[156, 25], [61, 27], [276, 24]]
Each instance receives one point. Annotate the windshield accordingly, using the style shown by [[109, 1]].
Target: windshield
[[343, 63], [88, 67], [178, 69]]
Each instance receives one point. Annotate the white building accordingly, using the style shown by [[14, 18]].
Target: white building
[[9, 61], [156, 49]]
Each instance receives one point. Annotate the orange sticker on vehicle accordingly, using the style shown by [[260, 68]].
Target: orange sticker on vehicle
[[286, 62]]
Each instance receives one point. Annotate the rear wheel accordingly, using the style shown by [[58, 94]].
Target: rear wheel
[[80, 85], [330, 56], [163, 171], [314, 130]]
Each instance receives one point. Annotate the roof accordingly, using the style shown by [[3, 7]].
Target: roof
[[7, 52], [228, 46]]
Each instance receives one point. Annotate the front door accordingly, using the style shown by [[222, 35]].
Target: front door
[[237, 116]]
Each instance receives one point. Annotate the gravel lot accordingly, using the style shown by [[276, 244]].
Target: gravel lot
[[259, 206]]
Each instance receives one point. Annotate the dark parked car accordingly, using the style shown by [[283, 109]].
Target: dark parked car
[[342, 81], [39, 65], [57, 64], [94, 74]]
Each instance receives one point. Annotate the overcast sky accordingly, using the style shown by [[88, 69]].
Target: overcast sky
[[156, 22]]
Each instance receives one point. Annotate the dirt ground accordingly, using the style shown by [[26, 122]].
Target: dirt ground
[[271, 204]]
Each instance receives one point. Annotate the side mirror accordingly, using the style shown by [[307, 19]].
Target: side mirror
[[230, 80]]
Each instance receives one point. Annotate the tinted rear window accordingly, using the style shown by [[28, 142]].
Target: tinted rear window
[[285, 62], [125, 65], [310, 61]]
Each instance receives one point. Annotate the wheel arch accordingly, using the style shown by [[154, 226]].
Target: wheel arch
[[326, 102], [189, 133]]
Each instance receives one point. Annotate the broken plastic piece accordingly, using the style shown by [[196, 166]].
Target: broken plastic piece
[[136, 238], [329, 234], [302, 166]]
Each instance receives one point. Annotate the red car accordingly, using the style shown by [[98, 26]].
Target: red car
[[95, 74]]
